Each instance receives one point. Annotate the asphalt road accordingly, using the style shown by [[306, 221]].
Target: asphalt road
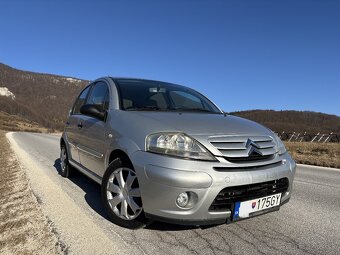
[[308, 224]]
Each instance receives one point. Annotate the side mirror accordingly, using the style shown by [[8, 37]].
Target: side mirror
[[93, 111]]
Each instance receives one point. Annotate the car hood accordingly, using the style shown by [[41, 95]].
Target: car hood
[[197, 123]]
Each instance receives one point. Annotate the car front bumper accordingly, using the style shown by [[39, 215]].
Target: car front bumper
[[162, 179]]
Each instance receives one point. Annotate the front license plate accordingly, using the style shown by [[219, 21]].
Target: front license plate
[[249, 208]]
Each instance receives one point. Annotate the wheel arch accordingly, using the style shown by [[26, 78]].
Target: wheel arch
[[120, 154]]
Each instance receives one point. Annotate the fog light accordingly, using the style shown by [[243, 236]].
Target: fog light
[[182, 199]]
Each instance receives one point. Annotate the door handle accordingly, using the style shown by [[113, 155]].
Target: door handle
[[80, 125]]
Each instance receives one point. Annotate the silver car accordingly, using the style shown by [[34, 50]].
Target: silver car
[[165, 152]]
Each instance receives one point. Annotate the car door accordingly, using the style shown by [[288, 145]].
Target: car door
[[93, 141], [72, 127]]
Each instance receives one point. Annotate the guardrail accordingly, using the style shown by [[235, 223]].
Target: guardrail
[[308, 137]]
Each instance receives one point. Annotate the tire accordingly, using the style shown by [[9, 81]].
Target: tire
[[66, 170], [121, 196]]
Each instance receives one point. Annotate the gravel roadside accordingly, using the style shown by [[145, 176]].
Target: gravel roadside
[[23, 227]]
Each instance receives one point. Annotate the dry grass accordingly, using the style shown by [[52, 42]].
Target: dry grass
[[318, 154], [23, 228], [15, 123]]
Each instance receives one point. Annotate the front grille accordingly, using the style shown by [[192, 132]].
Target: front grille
[[238, 149], [228, 196], [250, 158], [248, 168]]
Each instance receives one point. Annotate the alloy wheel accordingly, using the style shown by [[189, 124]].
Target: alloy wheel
[[123, 194]]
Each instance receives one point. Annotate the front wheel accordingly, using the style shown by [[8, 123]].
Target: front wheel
[[122, 197]]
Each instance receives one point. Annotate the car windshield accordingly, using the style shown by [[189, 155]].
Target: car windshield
[[143, 95]]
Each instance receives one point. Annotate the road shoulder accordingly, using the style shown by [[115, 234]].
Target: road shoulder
[[23, 227], [74, 225]]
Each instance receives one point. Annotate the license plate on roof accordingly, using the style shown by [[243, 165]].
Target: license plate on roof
[[255, 206]]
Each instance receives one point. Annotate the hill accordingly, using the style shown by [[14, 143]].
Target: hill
[[45, 99], [41, 98], [294, 121]]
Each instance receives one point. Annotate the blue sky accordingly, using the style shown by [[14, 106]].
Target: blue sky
[[242, 54]]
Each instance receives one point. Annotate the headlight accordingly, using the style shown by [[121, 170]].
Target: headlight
[[281, 149], [178, 145]]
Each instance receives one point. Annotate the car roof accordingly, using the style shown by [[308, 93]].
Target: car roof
[[145, 80], [137, 79]]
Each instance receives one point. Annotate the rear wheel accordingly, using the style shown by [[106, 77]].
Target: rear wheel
[[66, 170], [121, 196]]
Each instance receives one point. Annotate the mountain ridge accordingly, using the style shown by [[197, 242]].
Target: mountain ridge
[[41, 98], [294, 121]]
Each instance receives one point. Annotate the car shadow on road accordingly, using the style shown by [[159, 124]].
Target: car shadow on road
[[90, 187], [93, 198]]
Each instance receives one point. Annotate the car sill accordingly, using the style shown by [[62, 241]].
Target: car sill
[[87, 172]]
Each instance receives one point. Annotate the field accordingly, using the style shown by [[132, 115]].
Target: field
[[15, 123], [318, 154], [23, 228]]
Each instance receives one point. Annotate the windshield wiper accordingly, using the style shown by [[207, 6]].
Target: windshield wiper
[[192, 109], [144, 108], [156, 108]]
